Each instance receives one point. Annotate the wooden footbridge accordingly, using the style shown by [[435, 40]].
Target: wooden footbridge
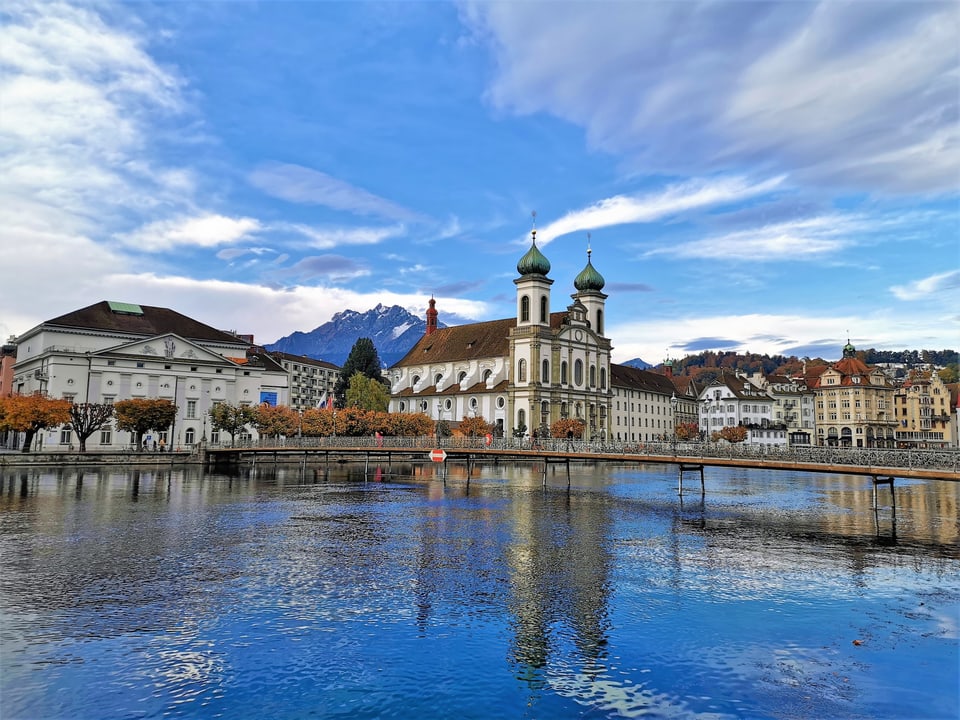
[[882, 466]]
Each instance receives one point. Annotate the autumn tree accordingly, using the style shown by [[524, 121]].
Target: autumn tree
[[231, 419], [367, 393], [362, 359], [87, 418], [567, 428], [730, 433], [406, 424], [474, 426], [141, 415], [30, 414], [687, 431], [276, 420]]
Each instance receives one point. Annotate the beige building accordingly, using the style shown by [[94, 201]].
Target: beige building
[[311, 381], [922, 411], [521, 374], [854, 404]]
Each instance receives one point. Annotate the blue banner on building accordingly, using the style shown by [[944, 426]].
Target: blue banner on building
[[270, 398]]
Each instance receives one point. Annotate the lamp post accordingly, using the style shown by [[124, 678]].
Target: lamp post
[[299, 424], [673, 415]]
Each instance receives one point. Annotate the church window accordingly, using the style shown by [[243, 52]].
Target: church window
[[563, 372], [545, 371], [593, 376], [486, 375], [524, 309], [461, 377], [521, 371], [521, 418], [599, 322], [543, 309], [578, 373], [437, 378], [603, 378]]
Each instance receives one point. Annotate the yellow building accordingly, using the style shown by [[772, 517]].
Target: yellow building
[[922, 411], [854, 404]]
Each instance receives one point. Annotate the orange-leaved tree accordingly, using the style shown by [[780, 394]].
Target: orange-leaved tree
[[687, 431], [87, 418], [731, 433], [567, 428], [276, 420], [474, 426], [31, 413], [141, 415]]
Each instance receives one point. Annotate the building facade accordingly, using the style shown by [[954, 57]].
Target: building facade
[[732, 401], [310, 381], [923, 411], [521, 374], [854, 404], [116, 351]]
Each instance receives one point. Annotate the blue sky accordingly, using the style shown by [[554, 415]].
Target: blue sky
[[753, 176]]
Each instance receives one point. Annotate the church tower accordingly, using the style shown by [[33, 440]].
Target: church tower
[[589, 284], [533, 287]]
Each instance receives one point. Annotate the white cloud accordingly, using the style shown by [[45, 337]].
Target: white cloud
[[298, 184], [324, 238], [208, 230], [624, 209], [806, 239], [779, 334], [933, 285], [860, 95]]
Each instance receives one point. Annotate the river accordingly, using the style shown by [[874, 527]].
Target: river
[[324, 592]]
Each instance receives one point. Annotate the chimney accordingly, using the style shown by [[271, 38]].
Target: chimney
[[432, 317]]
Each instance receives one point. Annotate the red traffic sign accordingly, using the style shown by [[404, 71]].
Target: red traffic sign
[[438, 455]]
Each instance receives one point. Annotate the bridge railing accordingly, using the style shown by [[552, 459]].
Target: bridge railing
[[940, 459]]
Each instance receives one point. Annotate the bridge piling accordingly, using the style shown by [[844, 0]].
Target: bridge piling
[[888, 481], [691, 468]]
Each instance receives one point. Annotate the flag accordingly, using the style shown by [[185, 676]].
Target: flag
[[323, 402]]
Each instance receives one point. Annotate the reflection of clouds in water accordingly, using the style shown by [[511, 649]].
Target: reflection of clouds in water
[[626, 700], [188, 674]]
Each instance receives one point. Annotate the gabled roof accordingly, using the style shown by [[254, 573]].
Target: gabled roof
[[141, 320], [642, 380], [848, 368], [740, 388], [302, 359], [468, 342]]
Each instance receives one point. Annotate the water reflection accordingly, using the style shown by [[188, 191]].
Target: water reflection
[[287, 590]]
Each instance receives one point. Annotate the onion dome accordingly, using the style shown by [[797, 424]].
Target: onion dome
[[589, 278], [534, 262], [849, 350]]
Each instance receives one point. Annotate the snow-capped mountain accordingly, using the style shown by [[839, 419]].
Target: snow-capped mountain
[[393, 331]]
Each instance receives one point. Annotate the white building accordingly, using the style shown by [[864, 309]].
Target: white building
[[116, 351], [793, 405], [731, 401], [521, 374], [645, 405]]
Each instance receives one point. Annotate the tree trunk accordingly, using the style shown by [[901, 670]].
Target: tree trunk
[[28, 440]]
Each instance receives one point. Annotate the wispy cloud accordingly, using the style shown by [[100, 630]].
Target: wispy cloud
[[298, 184], [626, 209], [859, 95], [806, 239], [208, 230], [928, 286], [324, 238]]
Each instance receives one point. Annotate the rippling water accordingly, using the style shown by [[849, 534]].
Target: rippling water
[[324, 593]]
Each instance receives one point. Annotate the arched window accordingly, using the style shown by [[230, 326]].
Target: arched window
[[563, 372], [545, 371], [521, 371], [593, 376], [543, 309], [578, 373], [415, 381], [190, 436], [437, 378], [403, 406], [461, 377], [524, 309], [603, 378], [486, 375], [521, 418], [544, 411], [599, 322], [563, 410]]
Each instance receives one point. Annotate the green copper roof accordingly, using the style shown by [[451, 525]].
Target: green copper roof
[[589, 278], [534, 262]]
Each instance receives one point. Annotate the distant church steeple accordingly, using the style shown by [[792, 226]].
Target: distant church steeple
[[432, 317]]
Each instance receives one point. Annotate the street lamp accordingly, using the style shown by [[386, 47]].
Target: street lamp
[[673, 413], [299, 423]]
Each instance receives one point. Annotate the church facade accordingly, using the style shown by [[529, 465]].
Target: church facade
[[520, 374]]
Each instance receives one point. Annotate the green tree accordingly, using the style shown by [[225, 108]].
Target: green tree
[[87, 418], [949, 373], [362, 359], [367, 393], [141, 415], [231, 418]]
